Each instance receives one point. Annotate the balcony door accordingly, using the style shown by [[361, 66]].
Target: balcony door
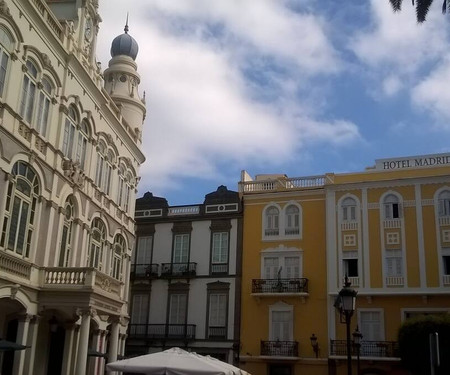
[[180, 256], [143, 255], [177, 314]]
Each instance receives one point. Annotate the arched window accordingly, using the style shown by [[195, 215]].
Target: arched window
[[44, 106], [20, 211], [348, 209], [123, 193], [117, 256], [6, 45], [104, 168], [28, 91], [391, 207], [75, 139], [444, 203], [272, 221], [292, 220], [66, 237], [97, 243]]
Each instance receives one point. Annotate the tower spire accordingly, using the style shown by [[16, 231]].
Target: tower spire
[[126, 25]]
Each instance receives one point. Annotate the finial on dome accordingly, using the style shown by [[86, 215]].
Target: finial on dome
[[126, 26]]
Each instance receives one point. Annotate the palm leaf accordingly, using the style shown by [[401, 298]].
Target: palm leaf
[[444, 7], [396, 5], [422, 8]]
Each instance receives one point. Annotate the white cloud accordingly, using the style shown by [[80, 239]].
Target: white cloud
[[204, 111], [432, 93], [396, 40], [391, 85]]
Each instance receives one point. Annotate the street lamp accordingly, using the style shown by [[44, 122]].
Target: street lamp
[[345, 304], [315, 344], [357, 336]]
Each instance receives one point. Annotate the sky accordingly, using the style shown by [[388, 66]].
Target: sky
[[295, 87]]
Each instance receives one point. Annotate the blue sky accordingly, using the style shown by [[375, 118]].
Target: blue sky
[[299, 87]]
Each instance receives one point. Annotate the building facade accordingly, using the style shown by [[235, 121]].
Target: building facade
[[386, 228], [284, 285], [70, 150], [388, 231], [185, 288]]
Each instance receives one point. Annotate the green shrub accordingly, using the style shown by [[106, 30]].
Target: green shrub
[[413, 340]]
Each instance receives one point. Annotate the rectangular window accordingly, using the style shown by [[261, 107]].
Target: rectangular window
[[139, 314], [271, 267], [3, 68], [281, 326], [446, 261], [219, 252], [394, 263], [349, 213], [181, 248], [143, 255], [178, 308], [351, 267], [444, 207], [292, 267], [371, 325], [217, 315], [69, 133], [392, 211]]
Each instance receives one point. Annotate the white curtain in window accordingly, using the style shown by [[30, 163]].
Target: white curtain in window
[[281, 326]]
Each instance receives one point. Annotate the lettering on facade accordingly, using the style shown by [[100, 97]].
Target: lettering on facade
[[414, 162]]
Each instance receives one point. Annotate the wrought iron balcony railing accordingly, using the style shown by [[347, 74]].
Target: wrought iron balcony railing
[[299, 285], [367, 349], [217, 332], [279, 348], [162, 331], [178, 269], [144, 270]]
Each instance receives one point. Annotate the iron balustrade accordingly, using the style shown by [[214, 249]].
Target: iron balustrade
[[162, 331], [217, 332], [299, 285], [279, 348], [144, 270], [178, 269], [384, 349], [219, 268]]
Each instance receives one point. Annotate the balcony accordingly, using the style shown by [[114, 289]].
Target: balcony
[[217, 332], [277, 286], [219, 268], [162, 331], [79, 279], [148, 271], [178, 269], [382, 349], [279, 348]]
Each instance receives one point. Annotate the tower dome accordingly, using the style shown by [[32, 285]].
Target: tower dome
[[124, 44]]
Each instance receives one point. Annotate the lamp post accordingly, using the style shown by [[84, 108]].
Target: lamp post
[[357, 336], [315, 344], [345, 303]]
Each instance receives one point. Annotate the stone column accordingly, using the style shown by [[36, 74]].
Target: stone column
[[93, 361], [113, 342], [22, 338], [102, 348], [32, 342], [83, 343], [69, 347]]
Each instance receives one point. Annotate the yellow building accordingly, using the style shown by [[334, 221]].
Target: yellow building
[[284, 290], [386, 228]]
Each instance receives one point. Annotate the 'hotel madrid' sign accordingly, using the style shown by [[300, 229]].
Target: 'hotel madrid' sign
[[421, 161]]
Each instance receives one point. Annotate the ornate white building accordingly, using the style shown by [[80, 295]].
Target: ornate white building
[[70, 150]]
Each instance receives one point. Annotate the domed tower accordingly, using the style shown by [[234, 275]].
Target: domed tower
[[122, 80]]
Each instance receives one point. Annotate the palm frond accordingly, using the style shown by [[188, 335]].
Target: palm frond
[[444, 7], [422, 8], [396, 5]]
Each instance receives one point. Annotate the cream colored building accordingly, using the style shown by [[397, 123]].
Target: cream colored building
[[70, 150]]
